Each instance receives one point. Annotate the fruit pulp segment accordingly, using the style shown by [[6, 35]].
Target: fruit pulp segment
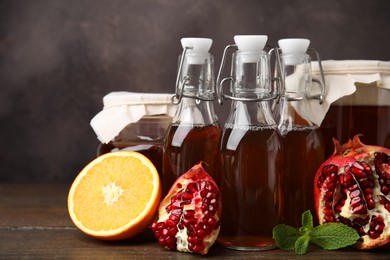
[[251, 188], [153, 152], [89, 198]]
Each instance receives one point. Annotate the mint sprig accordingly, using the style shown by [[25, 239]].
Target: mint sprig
[[329, 236]]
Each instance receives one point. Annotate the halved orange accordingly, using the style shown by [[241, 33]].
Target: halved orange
[[115, 196]]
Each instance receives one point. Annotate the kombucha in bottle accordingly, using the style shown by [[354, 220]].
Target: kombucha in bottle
[[302, 140], [194, 133], [251, 151]]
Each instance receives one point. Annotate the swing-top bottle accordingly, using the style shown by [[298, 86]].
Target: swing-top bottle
[[251, 150], [194, 133]]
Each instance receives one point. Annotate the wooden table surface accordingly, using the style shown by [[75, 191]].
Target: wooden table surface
[[34, 224]]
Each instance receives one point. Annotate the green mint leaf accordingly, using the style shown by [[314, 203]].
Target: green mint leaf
[[307, 219], [285, 236], [307, 222], [332, 236], [301, 245]]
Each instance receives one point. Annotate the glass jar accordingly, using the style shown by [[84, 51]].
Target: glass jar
[[134, 122], [366, 111], [145, 136]]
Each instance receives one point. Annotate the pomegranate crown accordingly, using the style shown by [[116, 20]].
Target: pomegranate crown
[[346, 148]]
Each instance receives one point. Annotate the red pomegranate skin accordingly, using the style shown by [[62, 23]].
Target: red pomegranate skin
[[189, 215], [353, 187]]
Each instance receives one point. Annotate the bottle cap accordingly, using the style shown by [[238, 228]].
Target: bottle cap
[[250, 43], [199, 49], [293, 49]]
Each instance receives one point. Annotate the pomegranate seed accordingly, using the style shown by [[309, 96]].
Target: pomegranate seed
[[161, 240], [189, 213], [192, 187], [338, 208], [198, 248], [329, 218], [171, 223], [370, 204], [168, 240], [211, 222], [154, 226], [176, 205], [329, 194], [172, 231], [204, 193], [360, 209], [354, 193], [187, 196], [196, 241], [385, 190], [357, 168], [177, 212], [200, 233], [185, 202], [212, 209], [380, 227], [353, 187], [347, 179], [373, 234], [355, 201], [367, 191], [328, 211]]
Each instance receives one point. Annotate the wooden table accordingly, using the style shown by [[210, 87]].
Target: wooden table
[[34, 224]]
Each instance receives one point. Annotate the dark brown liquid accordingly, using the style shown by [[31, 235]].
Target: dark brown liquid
[[303, 155], [187, 145], [343, 122], [251, 188], [153, 152]]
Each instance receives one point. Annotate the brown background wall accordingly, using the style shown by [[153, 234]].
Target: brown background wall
[[59, 58]]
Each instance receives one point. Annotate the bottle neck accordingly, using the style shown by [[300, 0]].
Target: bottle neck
[[195, 112], [196, 77]]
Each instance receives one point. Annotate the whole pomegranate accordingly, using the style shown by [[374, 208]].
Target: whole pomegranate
[[353, 187], [189, 216]]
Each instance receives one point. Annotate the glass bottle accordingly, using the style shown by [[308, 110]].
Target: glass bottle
[[194, 133], [302, 140], [251, 151]]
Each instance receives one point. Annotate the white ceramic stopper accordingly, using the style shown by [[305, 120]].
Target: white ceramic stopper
[[293, 49], [250, 43], [199, 49]]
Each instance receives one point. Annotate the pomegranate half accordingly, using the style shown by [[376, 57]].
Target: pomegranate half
[[189, 215], [353, 187]]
